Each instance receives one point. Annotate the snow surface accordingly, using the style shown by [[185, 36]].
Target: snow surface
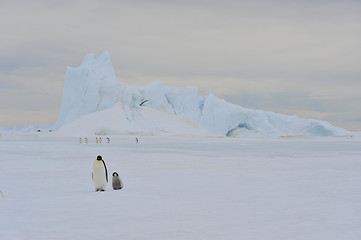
[[92, 89], [299, 188]]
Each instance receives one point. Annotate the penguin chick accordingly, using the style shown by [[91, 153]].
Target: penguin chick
[[117, 183]]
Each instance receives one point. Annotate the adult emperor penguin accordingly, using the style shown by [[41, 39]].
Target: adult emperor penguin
[[100, 174], [117, 183]]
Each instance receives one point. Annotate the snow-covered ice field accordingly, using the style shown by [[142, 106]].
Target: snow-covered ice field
[[182, 188]]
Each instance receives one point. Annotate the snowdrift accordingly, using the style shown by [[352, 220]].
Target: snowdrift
[[94, 102], [25, 130]]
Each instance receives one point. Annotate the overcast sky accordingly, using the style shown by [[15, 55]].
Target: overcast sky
[[291, 57]]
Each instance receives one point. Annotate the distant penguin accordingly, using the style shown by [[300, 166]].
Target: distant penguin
[[136, 140], [100, 174], [117, 183]]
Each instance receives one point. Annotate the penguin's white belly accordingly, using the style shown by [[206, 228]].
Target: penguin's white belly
[[99, 175]]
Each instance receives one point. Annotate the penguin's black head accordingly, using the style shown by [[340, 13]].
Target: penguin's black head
[[99, 157], [115, 174]]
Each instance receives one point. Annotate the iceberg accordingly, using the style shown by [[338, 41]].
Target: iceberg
[[94, 102]]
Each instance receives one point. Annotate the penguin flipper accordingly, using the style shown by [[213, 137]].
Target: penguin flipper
[[106, 171]]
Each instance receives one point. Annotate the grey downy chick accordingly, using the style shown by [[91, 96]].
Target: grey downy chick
[[117, 183]]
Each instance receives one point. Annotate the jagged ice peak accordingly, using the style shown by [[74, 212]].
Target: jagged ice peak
[[94, 102]]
